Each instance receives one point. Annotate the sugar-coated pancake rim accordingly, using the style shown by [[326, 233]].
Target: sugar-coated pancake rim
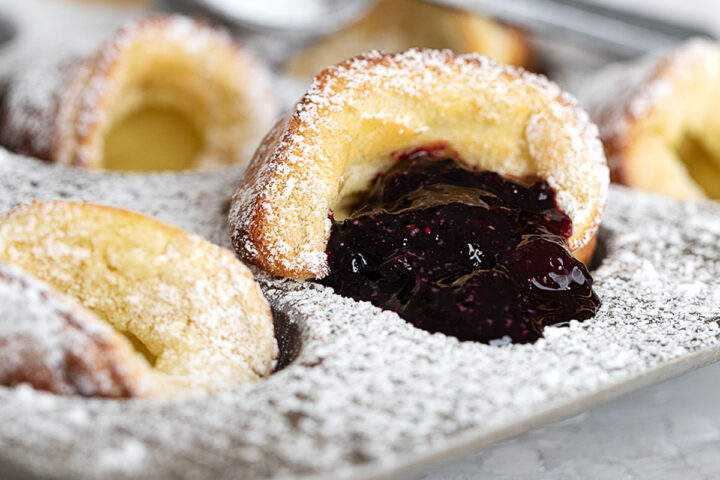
[[345, 129], [645, 107], [60, 109], [201, 320], [52, 343]]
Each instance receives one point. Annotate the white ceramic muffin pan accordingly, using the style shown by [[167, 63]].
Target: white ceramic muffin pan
[[363, 394]]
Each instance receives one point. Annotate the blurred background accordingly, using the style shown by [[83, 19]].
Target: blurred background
[[670, 431], [299, 37]]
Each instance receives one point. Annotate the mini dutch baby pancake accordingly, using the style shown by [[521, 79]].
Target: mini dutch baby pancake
[[160, 306], [164, 93], [396, 25], [658, 118], [49, 341], [426, 178]]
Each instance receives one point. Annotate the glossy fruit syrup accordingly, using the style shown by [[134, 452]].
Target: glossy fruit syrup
[[468, 253]]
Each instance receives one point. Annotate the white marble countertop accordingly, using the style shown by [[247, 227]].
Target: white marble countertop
[[667, 432]]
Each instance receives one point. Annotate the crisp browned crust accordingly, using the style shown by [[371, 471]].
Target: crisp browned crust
[[585, 253], [341, 134], [616, 116], [245, 240], [646, 110]]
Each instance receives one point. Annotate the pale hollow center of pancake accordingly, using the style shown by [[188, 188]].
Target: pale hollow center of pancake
[[702, 162], [152, 139], [169, 108]]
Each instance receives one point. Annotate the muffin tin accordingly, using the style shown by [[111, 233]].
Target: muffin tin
[[360, 393]]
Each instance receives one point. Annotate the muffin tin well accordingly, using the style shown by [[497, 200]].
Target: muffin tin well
[[367, 393]]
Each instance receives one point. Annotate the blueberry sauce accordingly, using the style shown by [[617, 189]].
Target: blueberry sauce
[[467, 253]]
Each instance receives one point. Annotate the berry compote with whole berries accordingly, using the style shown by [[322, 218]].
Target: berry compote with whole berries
[[464, 252]]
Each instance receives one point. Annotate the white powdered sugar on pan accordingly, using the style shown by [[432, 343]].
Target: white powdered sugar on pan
[[368, 392]]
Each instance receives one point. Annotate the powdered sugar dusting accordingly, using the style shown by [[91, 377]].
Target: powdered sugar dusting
[[32, 100], [368, 390], [582, 143], [60, 106], [129, 458], [291, 167], [620, 94], [189, 296], [42, 334], [204, 46]]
